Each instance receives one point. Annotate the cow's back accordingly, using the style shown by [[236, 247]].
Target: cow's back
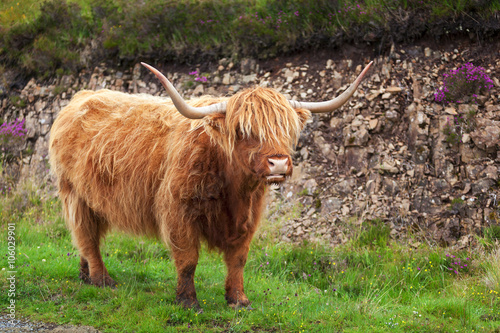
[[111, 149]]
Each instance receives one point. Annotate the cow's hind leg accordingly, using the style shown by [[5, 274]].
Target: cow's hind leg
[[84, 270], [87, 229], [88, 232]]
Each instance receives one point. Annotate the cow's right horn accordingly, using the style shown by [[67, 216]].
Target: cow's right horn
[[181, 106], [328, 106]]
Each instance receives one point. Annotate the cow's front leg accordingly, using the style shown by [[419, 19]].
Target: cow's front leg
[[186, 259], [236, 258]]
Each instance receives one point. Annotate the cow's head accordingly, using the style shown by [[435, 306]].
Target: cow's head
[[259, 127]]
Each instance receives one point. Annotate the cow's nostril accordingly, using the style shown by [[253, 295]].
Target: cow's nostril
[[277, 166]]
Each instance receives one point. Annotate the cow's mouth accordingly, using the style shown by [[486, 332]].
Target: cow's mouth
[[276, 178]]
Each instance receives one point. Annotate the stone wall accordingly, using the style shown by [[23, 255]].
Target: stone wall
[[383, 155]]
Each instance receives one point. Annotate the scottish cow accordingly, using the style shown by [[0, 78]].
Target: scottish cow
[[184, 172]]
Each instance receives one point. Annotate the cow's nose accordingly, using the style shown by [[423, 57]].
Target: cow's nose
[[277, 166]]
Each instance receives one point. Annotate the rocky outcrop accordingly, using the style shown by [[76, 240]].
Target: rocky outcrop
[[384, 156]]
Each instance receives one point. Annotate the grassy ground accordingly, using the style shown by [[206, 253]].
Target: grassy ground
[[366, 285], [44, 37]]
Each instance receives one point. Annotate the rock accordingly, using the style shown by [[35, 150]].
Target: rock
[[358, 138], [386, 167], [393, 90], [32, 125], [248, 66], [357, 122], [227, 79], [386, 70], [198, 91], [482, 186], [345, 187], [336, 123], [373, 183], [356, 158], [466, 138], [391, 115], [372, 124], [336, 80], [419, 127], [304, 153], [490, 172], [470, 153], [390, 186], [246, 79], [290, 75], [451, 111], [492, 108], [330, 205], [39, 105], [299, 173], [326, 148], [373, 94], [310, 185], [487, 134]]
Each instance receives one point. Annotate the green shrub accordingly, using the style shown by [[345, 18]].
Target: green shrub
[[52, 40], [41, 37]]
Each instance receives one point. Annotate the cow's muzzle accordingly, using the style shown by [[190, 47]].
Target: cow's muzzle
[[279, 169]]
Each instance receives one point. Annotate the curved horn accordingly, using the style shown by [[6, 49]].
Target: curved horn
[[327, 106], [181, 106]]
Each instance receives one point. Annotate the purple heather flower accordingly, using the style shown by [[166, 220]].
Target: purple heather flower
[[463, 82]]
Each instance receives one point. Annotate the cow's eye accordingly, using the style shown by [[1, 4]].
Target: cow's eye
[[239, 134]]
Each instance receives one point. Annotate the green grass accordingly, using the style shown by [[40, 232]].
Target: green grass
[[373, 286], [45, 37]]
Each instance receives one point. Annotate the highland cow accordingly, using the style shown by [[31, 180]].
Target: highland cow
[[184, 172]]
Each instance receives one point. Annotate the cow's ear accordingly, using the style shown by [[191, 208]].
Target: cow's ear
[[304, 116], [216, 121]]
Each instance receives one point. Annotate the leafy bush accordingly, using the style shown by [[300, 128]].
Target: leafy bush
[[464, 84], [11, 140], [50, 41], [11, 145], [43, 37]]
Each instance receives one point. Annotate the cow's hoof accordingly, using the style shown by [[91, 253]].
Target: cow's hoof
[[189, 303], [102, 282], [238, 302], [85, 278], [239, 306]]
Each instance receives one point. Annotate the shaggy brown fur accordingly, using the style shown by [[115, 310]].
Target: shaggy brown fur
[[133, 163]]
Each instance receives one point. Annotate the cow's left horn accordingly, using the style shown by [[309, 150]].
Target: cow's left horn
[[186, 110], [327, 106]]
